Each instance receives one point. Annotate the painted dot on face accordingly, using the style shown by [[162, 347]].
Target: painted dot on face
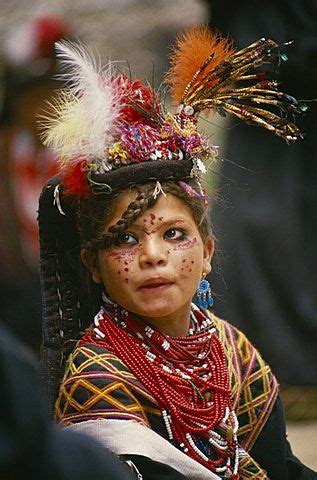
[[126, 269], [119, 272], [160, 219], [184, 260]]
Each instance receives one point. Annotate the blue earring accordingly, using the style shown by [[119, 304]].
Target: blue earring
[[204, 297]]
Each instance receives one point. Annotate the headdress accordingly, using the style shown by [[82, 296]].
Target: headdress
[[110, 131]]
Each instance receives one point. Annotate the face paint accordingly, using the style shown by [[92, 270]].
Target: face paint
[[124, 256], [187, 245]]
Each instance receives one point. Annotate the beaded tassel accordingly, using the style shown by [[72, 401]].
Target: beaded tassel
[[204, 297]]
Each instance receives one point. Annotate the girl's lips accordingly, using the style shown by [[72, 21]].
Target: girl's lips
[[155, 287]]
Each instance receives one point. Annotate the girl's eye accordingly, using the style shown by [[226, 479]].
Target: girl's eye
[[126, 238], [175, 234]]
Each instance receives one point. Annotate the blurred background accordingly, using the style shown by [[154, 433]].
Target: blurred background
[[264, 271]]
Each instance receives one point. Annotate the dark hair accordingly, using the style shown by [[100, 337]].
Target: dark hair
[[93, 213]]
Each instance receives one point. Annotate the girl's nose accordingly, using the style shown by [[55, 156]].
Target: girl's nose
[[153, 253]]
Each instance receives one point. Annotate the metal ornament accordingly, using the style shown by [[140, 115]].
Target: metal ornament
[[204, 297]]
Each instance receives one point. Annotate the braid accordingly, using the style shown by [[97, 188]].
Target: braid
[[143, 201]]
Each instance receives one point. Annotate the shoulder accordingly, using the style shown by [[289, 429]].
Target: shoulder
[[254, 386], [234, 340], [93, 363], [88, 357], [97, 384]]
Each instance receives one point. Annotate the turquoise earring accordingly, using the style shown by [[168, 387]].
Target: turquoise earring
[[204, 297]]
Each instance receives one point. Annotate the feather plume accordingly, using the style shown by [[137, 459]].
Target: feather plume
[[228, 82], [192, 49], [86, 111]]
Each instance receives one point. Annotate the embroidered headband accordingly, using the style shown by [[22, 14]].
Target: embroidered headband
[[109, 131]]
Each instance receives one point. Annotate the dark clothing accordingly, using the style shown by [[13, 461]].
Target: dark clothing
[[29, 446], [273, 452]]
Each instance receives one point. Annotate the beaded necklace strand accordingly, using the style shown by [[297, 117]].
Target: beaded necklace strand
[[187, 375]]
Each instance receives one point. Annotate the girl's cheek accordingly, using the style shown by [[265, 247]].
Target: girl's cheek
[[121, 263], [186, 265], [185, 251]]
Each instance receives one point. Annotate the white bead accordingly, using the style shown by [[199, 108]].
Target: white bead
[[99, 333]]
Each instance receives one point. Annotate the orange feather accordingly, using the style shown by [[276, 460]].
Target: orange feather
[[192, 48]]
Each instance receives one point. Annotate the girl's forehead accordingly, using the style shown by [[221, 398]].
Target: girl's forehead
[[166, 207]]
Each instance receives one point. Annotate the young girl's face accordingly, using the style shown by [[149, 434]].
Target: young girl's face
[[154, 268]]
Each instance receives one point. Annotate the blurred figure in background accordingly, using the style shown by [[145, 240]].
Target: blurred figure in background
[[28, 66], [29, 446], [267, 283]]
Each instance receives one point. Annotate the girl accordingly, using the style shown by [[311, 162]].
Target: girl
[[166, 385]]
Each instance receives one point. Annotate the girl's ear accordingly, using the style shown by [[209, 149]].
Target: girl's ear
[[209, 247], [90, 260]]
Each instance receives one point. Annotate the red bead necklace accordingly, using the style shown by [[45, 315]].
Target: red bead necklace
[[188, 376]]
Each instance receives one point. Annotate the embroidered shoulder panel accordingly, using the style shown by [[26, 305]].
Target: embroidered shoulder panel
[[98, 385]]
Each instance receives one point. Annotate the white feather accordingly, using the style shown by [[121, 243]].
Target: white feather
[[85, 113]]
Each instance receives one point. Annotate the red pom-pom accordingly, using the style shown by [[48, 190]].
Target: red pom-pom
[[74, 177], [49, 29]]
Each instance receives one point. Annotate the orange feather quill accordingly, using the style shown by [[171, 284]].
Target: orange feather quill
[[192, 48]]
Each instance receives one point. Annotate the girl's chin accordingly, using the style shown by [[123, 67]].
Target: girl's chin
[[155, 310]]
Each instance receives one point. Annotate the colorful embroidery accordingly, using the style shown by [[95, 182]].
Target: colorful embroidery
[[250, 469], [254, 388], [98, 385]]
